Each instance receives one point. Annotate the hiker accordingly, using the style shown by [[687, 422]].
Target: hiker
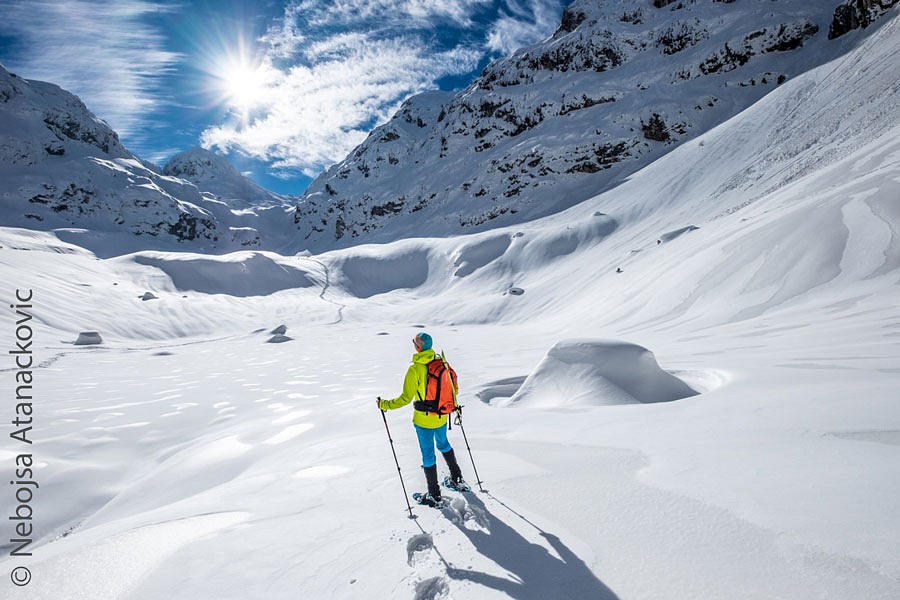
[[430, 426]]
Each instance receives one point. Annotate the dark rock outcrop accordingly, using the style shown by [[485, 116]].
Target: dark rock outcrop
[[857, 14]]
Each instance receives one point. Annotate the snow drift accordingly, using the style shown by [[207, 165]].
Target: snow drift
[[599, 373], [370, 271], [238, 274]]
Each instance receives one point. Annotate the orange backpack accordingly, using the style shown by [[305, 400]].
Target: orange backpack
[[440, 388]]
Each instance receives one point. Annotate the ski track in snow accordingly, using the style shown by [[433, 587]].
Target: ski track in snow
[[327, 284]]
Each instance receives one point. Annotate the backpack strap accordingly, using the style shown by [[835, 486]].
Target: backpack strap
[[426, 406]]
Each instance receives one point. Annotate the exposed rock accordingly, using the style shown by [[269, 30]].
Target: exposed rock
[[681, 35], [783, 38], [857, 14], [571, 18], [88, 338], [614, 88], [655, 129], [279, 339]]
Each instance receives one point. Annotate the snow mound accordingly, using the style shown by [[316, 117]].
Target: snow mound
[[583, 372], [239, 274], [545, 246]]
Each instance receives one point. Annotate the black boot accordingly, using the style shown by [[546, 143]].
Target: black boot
[[455, 472], [434, 490]]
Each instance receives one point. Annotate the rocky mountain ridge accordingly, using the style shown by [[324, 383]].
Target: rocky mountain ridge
[[63, 169], [618, 85]]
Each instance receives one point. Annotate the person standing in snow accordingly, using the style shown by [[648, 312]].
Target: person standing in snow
[[430, 427]]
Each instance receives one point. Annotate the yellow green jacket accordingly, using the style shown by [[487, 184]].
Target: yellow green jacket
[[413, 389]]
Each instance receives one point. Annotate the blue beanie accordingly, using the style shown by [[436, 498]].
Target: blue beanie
[[422, 341]]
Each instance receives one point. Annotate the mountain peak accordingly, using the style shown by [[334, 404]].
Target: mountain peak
[[201, 164], [214, 174]]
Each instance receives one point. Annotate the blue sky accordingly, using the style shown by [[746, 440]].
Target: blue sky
[[283, 88]]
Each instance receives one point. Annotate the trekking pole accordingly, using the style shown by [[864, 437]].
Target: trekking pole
[[397, 462], [463, 429]]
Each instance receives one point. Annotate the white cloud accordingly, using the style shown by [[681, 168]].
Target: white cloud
[[350, 11], [341, 44], [342, 67], [524, 24], [286, 38], [97, 49], [316, 114]]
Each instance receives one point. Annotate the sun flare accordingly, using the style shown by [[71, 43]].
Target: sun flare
[[244, 86], [242, 79]]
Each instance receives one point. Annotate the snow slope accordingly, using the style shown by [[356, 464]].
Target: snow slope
[[186, 457]]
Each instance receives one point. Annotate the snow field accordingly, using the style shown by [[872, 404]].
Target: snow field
[[185, 457], [236, 452]]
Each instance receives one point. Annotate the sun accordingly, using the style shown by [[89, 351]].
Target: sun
[[244, 85], [243, 79]]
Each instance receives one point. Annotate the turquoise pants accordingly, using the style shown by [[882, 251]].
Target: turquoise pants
[[428, 438]]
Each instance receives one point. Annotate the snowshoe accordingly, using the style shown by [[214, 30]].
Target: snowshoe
[[457, 486], [429, 500]]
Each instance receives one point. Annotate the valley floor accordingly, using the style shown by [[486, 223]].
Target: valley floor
[[226, 467]]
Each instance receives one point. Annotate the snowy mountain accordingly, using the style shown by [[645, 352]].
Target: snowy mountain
[[64, 169], [214, 174], [683, 387], [252, 216], [617, 86]]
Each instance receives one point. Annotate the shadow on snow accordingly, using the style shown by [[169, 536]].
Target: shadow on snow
[[538, 574]]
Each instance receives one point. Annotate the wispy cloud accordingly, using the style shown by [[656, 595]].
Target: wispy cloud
[[97, 49], [342, 67], [397, 11]]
